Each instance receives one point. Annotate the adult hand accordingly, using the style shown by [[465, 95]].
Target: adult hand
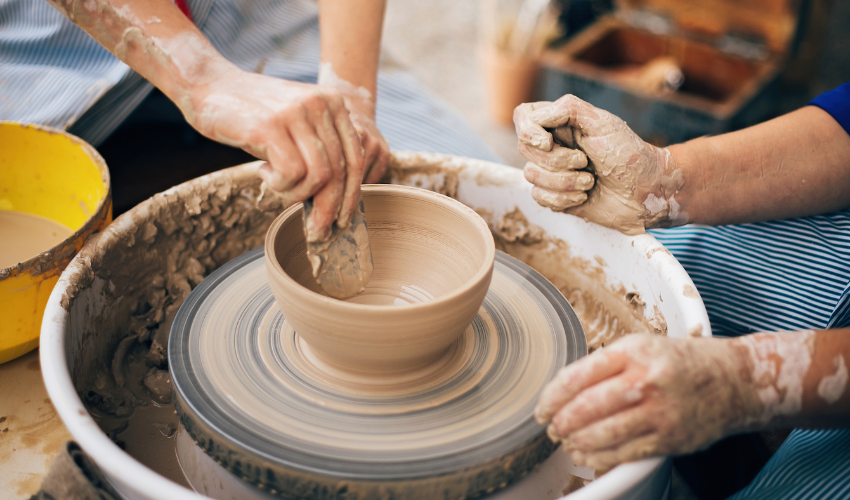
[[376, 149], [361, 105], [302, 131], [569, 141], [648, 395]]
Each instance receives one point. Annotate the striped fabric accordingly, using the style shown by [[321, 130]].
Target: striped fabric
[[809, 465], [769, 276], [52, 73], [779, 275], [49, 73]]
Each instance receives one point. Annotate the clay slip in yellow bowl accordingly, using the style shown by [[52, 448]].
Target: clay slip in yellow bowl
[[433, 259], [54, 175]]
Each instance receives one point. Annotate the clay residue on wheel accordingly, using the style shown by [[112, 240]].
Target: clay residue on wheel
[[426, 172], [606, 312], [441, 173], [125, 288], [143, 266]]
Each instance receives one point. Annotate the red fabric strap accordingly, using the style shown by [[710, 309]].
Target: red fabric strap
[[184, 8]]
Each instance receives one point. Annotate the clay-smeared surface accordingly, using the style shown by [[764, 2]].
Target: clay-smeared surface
[[606, 312], [241, 370], [127, 286], [31, 433], [143, 266], [26, 235], [342, 264]]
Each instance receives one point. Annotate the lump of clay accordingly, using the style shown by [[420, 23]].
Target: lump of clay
[[342, 264]]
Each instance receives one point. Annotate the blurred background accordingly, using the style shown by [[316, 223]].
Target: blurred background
[[672, 69], [741, 61]]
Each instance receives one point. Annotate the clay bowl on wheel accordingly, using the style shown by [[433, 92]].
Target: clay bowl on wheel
[[433, 261]]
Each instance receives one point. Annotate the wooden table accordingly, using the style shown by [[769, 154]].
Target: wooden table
[[31, 433]]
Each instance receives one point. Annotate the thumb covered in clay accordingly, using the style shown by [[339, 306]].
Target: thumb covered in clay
[[528, 131]]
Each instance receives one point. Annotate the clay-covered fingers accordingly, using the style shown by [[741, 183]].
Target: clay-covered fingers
[[623, 426], [558, 201], [284, 167], [528, 131], [557, 159], [324, 177], [593, 404], [352, 152], [377, 157], [635, 449], [568, 111], [566, 136], [564, 181], [573, 379], [377, 169]]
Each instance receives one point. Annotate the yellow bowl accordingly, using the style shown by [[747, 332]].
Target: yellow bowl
[[55, 175]]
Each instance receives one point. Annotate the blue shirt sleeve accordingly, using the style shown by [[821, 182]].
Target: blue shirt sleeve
[[836, 102]]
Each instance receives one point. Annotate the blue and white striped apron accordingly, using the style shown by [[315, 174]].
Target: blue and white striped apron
[[769, 276], [780, 275]]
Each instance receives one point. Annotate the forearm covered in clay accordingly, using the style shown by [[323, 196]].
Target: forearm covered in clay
[[646, 395], [303, 131], [792, 166], [154, 38], [800, 378]]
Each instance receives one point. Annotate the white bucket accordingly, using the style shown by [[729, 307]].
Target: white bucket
[[169, 241]]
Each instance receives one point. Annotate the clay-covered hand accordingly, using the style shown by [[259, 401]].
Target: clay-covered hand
[[568, 142], [376, 149], [361, 105], [648, 395], [302, 131]]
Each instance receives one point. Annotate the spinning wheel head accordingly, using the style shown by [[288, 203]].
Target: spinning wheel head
[[256, 399]]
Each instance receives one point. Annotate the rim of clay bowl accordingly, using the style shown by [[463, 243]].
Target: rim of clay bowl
[[91, 221], [420, 194]]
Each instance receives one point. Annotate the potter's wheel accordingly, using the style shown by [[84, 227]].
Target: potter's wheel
[[256, 399]]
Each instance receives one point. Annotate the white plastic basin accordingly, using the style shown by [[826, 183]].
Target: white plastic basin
[[90, 308]]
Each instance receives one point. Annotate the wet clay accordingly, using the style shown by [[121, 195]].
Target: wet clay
[[145, 264], [139, 417], [433, 260], [235, 360], [26, 235], [606, 313], [342, 264]]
